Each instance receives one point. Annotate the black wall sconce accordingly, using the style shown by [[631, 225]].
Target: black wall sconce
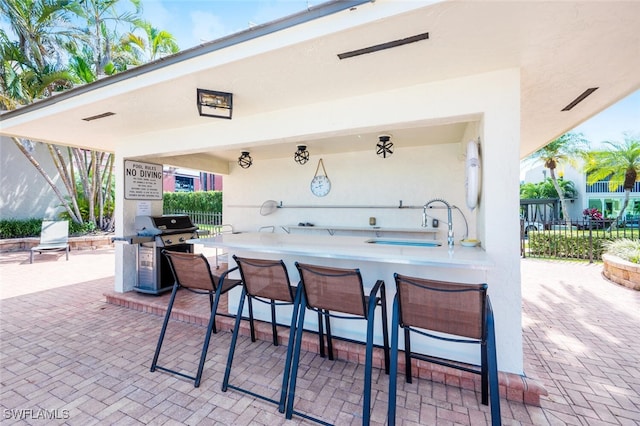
[[384, 147], [214, 104], [301, 155], [245, 161]]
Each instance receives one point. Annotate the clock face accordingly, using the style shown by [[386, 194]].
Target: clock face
[[320, 186]]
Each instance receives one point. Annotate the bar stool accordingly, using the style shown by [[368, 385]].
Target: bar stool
[[462, 311], [329, 291], [265, 281], [193, 272]]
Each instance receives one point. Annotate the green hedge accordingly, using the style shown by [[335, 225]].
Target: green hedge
[[201, 201], [566, 244], [22, 228]]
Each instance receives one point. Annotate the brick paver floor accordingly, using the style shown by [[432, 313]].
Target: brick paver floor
[[67, 354]]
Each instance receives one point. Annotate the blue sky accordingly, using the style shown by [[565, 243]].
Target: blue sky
[[610, 124], [193, 22]]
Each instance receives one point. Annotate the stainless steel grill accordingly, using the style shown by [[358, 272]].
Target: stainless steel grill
[[156, 233]]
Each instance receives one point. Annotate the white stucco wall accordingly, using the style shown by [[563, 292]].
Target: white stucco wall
[[411, 175], [24, 192], [489, 102]]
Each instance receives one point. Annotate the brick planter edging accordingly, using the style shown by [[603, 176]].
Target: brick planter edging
[[85, 242], [513, 387], [621, 271]]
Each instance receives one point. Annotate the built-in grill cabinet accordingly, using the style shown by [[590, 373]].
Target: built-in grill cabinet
[[168, 232]]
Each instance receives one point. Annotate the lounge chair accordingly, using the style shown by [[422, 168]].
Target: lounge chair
[[54, 236]]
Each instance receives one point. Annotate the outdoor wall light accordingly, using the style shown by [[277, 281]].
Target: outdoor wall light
[[384, 147], [214, 104], [301, 155], [245, 161]]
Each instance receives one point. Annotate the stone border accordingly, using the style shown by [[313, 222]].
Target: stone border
[[621, 271], [85, 242]]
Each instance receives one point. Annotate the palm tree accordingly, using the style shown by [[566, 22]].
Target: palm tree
[[151, 45], [620, 163], [49, 55], [30, 69], [102, 18], [568, 149], [41, 27], [568, 188], [530, 190]]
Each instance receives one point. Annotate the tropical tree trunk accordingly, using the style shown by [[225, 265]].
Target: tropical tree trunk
[[63, 172], [627, 193], [96, 184], [106, 198], [83, 173], [563, 203], [65, 203]]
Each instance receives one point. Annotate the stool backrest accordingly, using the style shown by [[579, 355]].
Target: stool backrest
[[447, 307], [265, 278], [334, 289], [191, 270]]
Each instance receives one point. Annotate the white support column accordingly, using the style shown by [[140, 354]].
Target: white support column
[[126, 254]]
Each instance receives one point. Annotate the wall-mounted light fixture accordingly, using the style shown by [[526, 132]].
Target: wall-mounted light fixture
[[384, 147], [301, 155], [245, 161], [214, 104]]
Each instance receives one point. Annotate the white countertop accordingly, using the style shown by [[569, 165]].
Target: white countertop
[[351, 248]]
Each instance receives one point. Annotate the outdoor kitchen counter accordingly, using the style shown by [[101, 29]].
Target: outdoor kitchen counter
[[350, 248], [376, 262]]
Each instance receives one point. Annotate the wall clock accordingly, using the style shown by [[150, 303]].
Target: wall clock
[[320, 184]]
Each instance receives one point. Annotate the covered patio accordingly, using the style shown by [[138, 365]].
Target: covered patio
[[510, 76], [65, 348]]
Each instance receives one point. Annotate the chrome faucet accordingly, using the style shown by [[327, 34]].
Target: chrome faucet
[[424, 217], [449, 219]]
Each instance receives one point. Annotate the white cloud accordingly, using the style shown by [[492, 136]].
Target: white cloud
[[156, 13]]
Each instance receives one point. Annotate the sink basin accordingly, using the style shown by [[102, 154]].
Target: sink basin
[[412, 243]]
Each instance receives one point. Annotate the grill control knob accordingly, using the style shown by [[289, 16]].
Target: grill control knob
[[168, 241], [181, 240]]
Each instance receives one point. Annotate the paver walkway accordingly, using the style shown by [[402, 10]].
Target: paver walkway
[[65, 353]]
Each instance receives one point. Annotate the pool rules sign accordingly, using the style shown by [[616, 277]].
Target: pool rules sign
[[142, 181]]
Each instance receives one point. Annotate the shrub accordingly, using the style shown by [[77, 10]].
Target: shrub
[[624, 248], [574, 245], [201, 201], [20, 228], [592, 214], [23, 228]]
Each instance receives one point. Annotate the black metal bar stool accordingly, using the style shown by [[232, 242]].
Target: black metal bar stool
[[461, 311], [193, 272], [265, 281], [339, 293]]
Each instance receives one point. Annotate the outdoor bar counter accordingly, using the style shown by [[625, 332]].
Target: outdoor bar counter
[[375, 261]]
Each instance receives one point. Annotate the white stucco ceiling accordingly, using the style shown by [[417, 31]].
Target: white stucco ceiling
[[562, 48]]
